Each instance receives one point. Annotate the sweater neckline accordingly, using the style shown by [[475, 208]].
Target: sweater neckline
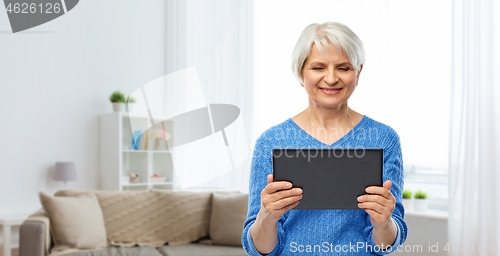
[[339, 141]]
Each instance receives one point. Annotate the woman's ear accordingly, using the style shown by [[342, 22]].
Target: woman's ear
[[302, 76], [359, 72], [357, 76]]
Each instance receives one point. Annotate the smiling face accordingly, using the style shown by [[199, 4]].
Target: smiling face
[[329, 78]]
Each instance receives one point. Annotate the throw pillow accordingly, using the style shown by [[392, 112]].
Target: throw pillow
[[75, 222], [229, 213]]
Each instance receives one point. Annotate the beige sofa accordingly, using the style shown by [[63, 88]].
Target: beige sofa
[[149, 223]]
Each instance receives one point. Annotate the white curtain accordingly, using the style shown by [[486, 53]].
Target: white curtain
[[216, 38], [474, 227]]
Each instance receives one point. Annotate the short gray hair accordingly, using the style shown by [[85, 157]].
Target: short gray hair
[[321, 34]]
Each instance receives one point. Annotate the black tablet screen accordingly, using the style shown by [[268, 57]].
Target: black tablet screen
[[330, 178]]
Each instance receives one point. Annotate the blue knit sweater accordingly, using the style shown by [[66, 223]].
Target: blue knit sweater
[[325, 232]]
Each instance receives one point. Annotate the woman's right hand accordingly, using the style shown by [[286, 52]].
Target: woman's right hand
[[278, 198]]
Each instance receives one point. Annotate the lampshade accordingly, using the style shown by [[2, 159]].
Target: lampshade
[[65, 171]]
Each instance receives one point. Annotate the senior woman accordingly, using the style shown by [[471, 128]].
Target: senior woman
[[327, 60]]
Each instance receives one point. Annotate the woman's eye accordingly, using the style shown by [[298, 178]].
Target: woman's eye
[[317, 68], [344, 69]]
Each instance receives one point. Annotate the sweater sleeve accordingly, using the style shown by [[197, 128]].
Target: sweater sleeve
[[393, 171], [260, 168]]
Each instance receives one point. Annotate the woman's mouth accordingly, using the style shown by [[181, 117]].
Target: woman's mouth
[[330, 91]]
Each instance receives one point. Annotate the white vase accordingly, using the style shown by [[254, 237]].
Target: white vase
[[408, 204], [421, 205], [118, 107], [131, 107]]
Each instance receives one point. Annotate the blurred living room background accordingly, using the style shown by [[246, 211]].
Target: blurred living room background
[[429, 74]]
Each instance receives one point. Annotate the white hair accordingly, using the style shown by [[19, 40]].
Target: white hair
[[321, 34]]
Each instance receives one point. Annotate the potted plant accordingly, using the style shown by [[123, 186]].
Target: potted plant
[[407, 202], [131, 104], [118, 100], [421, 201]]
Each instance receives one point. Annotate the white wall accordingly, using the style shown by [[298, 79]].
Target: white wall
[[55, 80]]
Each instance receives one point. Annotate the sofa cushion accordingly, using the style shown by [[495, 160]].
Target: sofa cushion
[[75, 222], [229, 213], [113, 251], [201, 250], [153, 217]]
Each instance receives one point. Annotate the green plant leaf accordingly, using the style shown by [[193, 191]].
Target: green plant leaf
[[420, 195], [117, 97], [407, 194], [131, 99]]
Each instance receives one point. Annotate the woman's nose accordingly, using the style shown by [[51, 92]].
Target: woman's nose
[[331, 77]]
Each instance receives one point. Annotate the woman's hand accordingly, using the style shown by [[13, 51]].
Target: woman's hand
[[379, 205], [278, 198]]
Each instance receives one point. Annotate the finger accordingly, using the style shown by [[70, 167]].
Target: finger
[[269, 178], [387, 184], [379, 191], [375, 198], [289, 207], [374, 214], [275, 186], [283, 203], [286, 193], [373, 206], [286, 209]]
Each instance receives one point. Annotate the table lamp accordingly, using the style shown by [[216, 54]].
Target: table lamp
[[65, 171]]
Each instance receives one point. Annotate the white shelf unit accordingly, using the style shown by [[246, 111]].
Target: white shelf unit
[[118, 159]]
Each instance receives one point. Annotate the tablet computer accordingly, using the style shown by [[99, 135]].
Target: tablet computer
[[330, 178]]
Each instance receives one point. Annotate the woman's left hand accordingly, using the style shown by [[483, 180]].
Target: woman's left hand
[[379, 204]]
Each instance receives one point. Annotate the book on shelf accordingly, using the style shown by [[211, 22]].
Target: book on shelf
[[140, 140], [136, 137], [149, 140], [144, 144]]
